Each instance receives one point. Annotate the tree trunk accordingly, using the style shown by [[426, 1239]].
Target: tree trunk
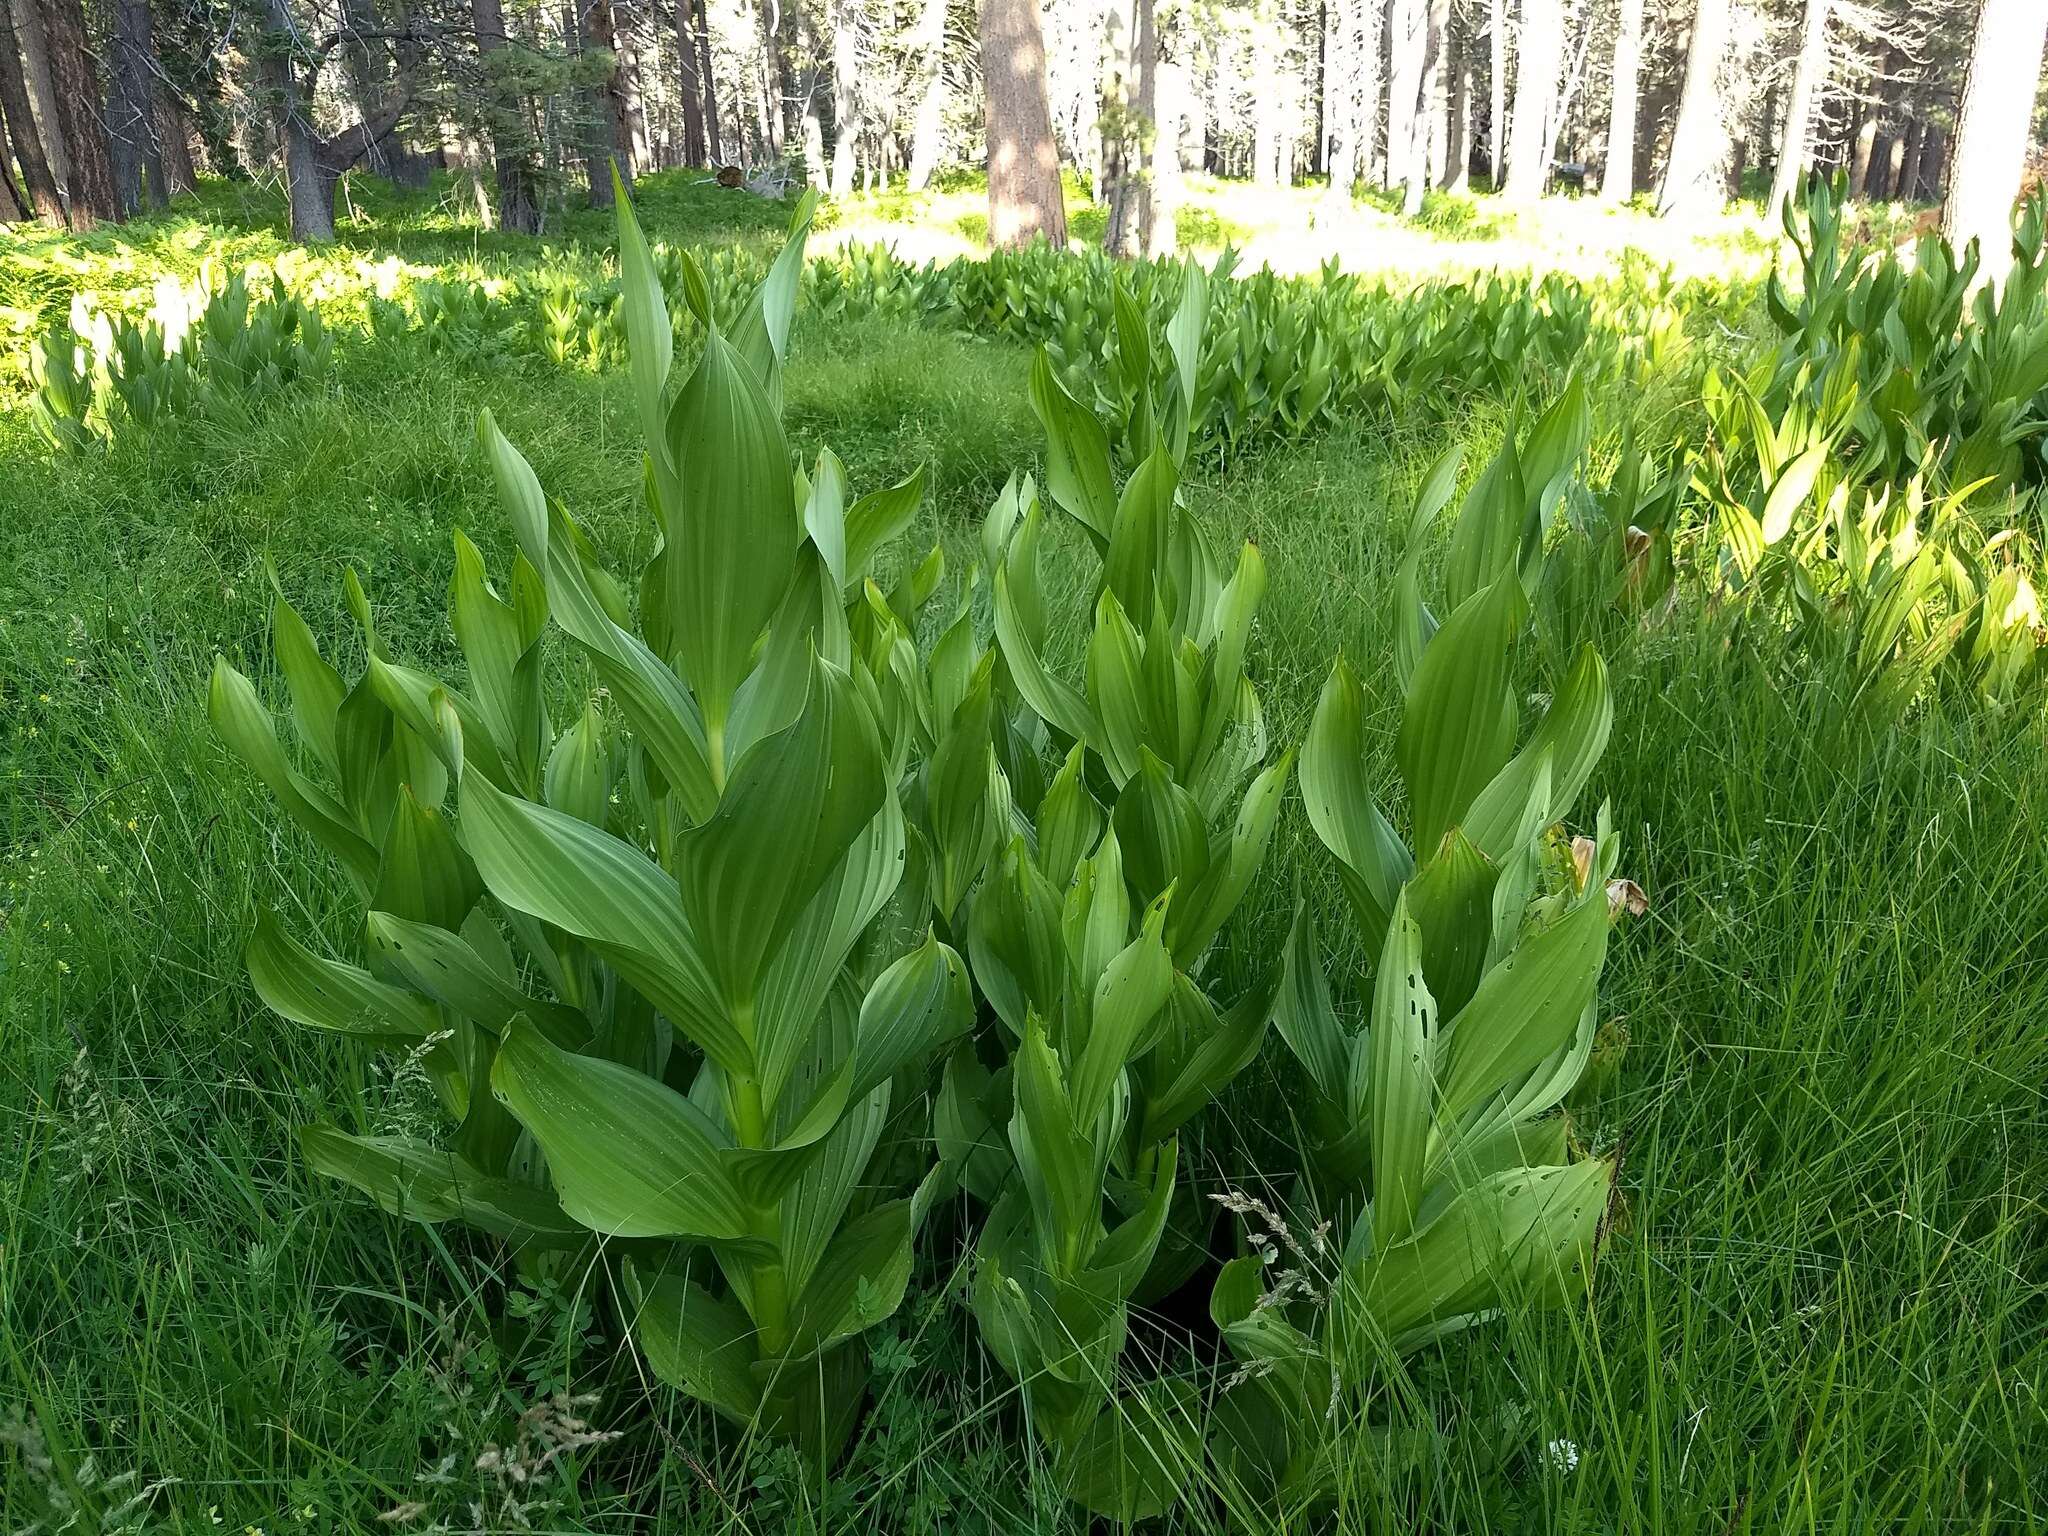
[[131, 109], [1170, 99], [634, 146], [1795, 148], [40, 183], [174, 138], [1407, 45], [1497, 91], [1130, 209], [1535, 100], [1874, 115], [609, 136], [512, 147], [1618, 175], [714, 139], [81, 111], [928, 138], [42, 88], [1906, 179], [695, 149], [1695, 180], [1024, 197], [1992, 128], [1266, 128], [846, 116], [1457, 175], [1432, 108], [13, 207], [805, 48]]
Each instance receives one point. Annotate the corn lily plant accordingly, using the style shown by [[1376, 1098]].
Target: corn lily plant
[[1444, 1165], [654, 960]]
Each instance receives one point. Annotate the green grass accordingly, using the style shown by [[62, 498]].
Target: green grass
[[1821, 1308]]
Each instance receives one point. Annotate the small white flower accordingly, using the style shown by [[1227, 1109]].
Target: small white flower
[[1563, 1455]]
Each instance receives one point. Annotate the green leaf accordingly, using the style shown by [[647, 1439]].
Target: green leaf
[[1373, 862], [729, 525], [1160, 830], [1132, 989], [327, 994], [794, 806], [877, 518], [418, 1182], [917, 1005], [1208, 904], [699, 1343], [650, 339], [1304, 1015], [1014, 939], [1570, 738], [1056, 1159], [630, 1157], [859, 1282], [1789, 494], [1403, 1048], [1456, 731], [581, 879], [316, 688], [1525, 1007], [1077, 474], [244, 724], [1451, 901], [449, 970], [1069, 821]]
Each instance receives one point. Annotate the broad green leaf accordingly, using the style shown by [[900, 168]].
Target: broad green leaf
[[699, 1343], [1524, 1008], [878, 517], [1456, 732], [1570, 739], [327, 994], [419, 1182], [448, 969], [1373, 861], [1055, 1158], [650, 340], [1403, 1051], [630, 1157], [1014, 939], [1132, 989], [1160, 831], [1077, 474], [241, 721], [316, 688], [749, 872], [729, 525]]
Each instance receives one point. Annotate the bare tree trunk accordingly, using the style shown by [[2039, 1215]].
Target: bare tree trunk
[[1170, 99], [1497, 91], [1865, 142], [174, 138], [1906, 180], [131, 129], [1457, 175], [695, 150], [82, 112], [805, 48], [608, 136], [714, 140], [1618, 175], [1795, 149], [1992, 127], [1024, 197], [928, 138], [1130, 210], [1432, 105], [19, 118], [846, 116], [512, 145], [1266, 127], [1695, 181], [1535, 100], [1407, 37], [635, 146]]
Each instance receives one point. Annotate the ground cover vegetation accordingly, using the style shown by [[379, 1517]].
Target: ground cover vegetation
[[646, 880]]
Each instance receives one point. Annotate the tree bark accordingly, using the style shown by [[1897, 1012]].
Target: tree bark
[[1795, 148], [1497, 92], [82, 112], [1695, 180], [1457, 175], [1407, 38], [928, 138], [512, 147], [137, 163], [695, 148], [609, 136], [42, 89], [714, 139], [1535, 100], [1170, 98], [1618, 175], [13, 206], [846, 114], [40, 183], [1431, 104], [1906, 182], [1024, 197], [1992, 127], [1130, 209], [1266, 126]]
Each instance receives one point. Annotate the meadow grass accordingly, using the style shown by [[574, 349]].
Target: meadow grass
[[1820, 1307]]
